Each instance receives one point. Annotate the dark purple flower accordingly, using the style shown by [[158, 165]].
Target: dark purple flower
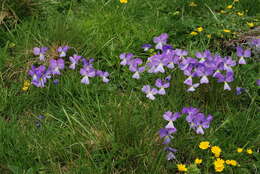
[[39, 75], [203, 72], [170, 154], [203, 56], [87, 72], [40, 52], [243, 54], [103, 75], [56, 66], [162, 85], [150, 92], [87, 62], [256, 42], [125, 58], [239, 90], [190, 110], [74, 60], [56, 81], [146, 47], [160, 41], [169, 116], [229, 77], [63, 50], [258, 82]]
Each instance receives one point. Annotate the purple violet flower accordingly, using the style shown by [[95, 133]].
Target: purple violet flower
[[74, 60], [160, 41], [87, 72], [243, 54], [63, 50], [162, 85], [39, 75], [40, 52], [56, 82], [239, 90], [126, 58], [170, 154], [56, 66], [103, 75], [258, 82], [146, 47], [150, 92], [229, 77], [169, 116]]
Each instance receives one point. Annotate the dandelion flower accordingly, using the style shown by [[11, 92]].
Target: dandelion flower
[[229, 6], [226, 31], [216, 151], [204, 145], [193, 33], [123, 1], [219, 165], [198, 161], [239, 150], [249, 151], [200, 29], [250, 24], [231, 162], [25, 88], [182, 168]]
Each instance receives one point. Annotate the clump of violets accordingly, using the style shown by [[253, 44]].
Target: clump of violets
[[197, 121], [54, 66], [199, 69]]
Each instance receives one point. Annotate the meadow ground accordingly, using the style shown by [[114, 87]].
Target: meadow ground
[[113, 127]]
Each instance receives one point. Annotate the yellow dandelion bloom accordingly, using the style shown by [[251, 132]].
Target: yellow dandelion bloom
[[182, 168], [193, 4], [26, 83], [219, 165], [200, 29], [249, 151], [193, 33], [250, 24], [216, 151], [123, 1], [231, 162], [240, 13], [209, 36], [198, 161], [204, 145], [226, 31], [239, 150], [222, 11], [25, 88], [229, 6]]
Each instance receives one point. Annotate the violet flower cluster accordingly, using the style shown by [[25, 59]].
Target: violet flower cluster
[[196, 120], [53, 67], [198, 69]]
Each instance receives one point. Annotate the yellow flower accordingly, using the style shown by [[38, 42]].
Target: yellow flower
[[250, 24], [193, 33], [249, 151], [182, 168], [193, 4], [200, 29], [198, 161], [231, 162], [123, 1], [26, 83], [219, 165], [216, 151], [229, 6], [25, 88], [240, 13], [239, 150], [222, 11], [209, 36], [204, 145], [227, 31]]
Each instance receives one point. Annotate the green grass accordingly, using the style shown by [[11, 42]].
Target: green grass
[[112, 128]]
